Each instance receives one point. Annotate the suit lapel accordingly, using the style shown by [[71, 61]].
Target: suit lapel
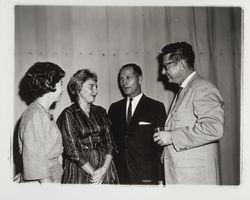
[[181, 95], [123, 111], [175, 105], [137, 111]]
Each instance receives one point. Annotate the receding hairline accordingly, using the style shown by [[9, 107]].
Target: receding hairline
[[132, 67]]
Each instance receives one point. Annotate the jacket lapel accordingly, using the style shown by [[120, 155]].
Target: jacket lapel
[[123, 111], [175, 105], [137, 111]]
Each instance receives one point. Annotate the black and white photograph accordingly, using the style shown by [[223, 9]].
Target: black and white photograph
[[125, 100]]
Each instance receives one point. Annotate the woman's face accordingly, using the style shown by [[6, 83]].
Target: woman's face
[[88, 91], [59, 91]]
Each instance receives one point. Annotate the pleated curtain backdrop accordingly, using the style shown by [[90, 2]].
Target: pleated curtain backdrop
[[105, 38]]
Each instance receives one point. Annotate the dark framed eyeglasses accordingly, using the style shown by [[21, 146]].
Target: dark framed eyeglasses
[[166, 66]]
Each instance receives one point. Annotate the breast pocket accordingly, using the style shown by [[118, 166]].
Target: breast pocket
[[143, 136]]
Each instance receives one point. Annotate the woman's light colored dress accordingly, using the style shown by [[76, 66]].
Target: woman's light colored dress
[[40, 143]]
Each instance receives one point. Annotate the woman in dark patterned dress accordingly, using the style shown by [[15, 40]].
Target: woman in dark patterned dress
[[87, 141]]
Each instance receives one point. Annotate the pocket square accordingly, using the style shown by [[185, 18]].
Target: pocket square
[[144, 123]]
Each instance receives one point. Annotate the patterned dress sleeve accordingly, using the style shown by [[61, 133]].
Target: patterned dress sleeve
[[35, 161], [71, 143]]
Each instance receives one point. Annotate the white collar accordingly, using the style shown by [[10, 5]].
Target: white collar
[[135, 102], [185, 82], [136, 98]]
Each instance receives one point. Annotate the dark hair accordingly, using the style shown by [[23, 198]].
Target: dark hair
[[136, 68], [180, 50], [42, 77], [76, 82]]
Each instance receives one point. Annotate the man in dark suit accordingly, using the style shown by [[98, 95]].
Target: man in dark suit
[[134, 119]]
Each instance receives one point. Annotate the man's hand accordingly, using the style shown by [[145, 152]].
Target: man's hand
[[163, 138]]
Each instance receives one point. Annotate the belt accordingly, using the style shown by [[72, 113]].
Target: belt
[[94, 145]]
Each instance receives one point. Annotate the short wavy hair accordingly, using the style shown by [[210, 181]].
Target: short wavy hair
[[76, 81], [42, 78], [180, 50]]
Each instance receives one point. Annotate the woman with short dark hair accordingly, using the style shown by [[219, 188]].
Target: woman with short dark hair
[[87, 140], [39, 138]]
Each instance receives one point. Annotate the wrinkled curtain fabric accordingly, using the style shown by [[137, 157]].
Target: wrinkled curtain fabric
[[105, 38]]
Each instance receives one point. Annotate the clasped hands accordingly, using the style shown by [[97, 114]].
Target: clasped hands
[[98, 175], [163, 138]]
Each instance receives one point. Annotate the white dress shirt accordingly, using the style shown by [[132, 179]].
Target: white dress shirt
[[134, 103], [185, 82]]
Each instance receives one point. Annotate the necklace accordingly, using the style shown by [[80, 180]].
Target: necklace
[[50, 115]]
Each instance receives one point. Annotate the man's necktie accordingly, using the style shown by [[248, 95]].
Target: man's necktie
[[129, 114], [175, 99], [178, 94]]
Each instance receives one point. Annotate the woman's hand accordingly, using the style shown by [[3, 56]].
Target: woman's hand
[[46, 180], [98, 175]]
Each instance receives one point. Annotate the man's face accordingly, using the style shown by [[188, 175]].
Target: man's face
[[171, 69], [130, 82]]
